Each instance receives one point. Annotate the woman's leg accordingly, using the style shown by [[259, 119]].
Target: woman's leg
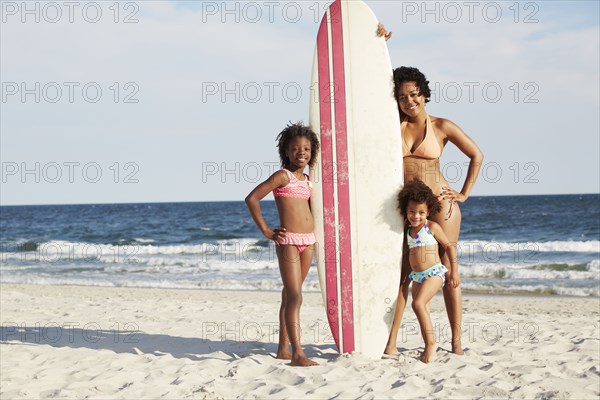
[[422, 295], [452, 296], [293, 268]]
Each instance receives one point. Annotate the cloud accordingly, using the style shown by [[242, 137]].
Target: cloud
[[175, 50]]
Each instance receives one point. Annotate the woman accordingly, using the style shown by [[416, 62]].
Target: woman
[[424, 138]]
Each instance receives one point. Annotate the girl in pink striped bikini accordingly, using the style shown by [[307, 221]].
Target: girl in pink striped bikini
[[295, 237]]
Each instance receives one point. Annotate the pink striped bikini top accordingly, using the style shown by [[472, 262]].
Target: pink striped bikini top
[[296, 188]]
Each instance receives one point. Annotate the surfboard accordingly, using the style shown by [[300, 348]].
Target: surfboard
[[356, 178]]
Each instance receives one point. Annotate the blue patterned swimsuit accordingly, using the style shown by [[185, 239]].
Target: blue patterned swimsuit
[[425, 238]]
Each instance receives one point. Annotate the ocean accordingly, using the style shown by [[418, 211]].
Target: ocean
[[547, 244]]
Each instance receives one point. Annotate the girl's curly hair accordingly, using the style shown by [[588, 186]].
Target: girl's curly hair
[[411, 74], [419, 192], [291, 132]]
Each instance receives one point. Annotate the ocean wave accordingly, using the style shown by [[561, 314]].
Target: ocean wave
[[11, 267], [550, 271], [311, 285], [143, 246], [64, 250], [541, 289], [217, 284], [589, 246]]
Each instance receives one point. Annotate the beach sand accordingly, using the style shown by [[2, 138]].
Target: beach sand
[[89, 342]]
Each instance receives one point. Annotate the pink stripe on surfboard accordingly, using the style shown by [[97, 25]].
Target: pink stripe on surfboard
[[329, 247], [345, 249]]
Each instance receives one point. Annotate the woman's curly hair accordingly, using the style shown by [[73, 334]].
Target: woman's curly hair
[[411, 74], [419, 192], [291, 132]]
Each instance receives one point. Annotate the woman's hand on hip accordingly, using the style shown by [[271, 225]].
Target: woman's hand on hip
[[452, 195], [453, 279]]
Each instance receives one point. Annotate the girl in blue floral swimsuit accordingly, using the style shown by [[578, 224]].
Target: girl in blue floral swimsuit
[[416, 202]]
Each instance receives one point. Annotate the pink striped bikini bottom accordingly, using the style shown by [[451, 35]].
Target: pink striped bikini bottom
[[300, 240]]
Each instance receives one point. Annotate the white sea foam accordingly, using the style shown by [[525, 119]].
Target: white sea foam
[[142, 240], [469, 246], [251, 264], [311, 284], [59, 250], [250, 249], [534, 289], [531, 271]]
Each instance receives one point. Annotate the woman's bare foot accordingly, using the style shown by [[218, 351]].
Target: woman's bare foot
[[457, 348], [428, 354], [302, 361], [391, 350]]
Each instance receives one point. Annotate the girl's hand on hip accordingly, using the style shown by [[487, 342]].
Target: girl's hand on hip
[[275, 234]]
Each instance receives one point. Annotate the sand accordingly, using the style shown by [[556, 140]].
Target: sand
[[76, 342]]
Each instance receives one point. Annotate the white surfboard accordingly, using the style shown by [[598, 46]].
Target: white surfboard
[[357, 178]]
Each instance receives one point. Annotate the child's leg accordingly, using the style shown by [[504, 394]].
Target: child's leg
[[293, 268], [453, 300], [422, 295], [283, 352], [390, 347]]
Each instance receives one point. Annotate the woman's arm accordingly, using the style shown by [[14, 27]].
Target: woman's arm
[[468, 147], [278, 179]]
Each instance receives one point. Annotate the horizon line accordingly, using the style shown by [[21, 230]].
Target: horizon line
[[270, 200]]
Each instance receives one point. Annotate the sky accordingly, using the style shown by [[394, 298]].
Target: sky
[[151, 101]]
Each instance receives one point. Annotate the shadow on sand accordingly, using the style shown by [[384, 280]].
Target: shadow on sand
[[137, 342]]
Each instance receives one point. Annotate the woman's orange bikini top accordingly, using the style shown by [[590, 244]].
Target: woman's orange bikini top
[[428, 149]]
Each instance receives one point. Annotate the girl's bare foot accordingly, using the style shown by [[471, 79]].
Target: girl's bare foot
[[457, 348], [391, 350], [302, 361], [283, 353], [428, 354]]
